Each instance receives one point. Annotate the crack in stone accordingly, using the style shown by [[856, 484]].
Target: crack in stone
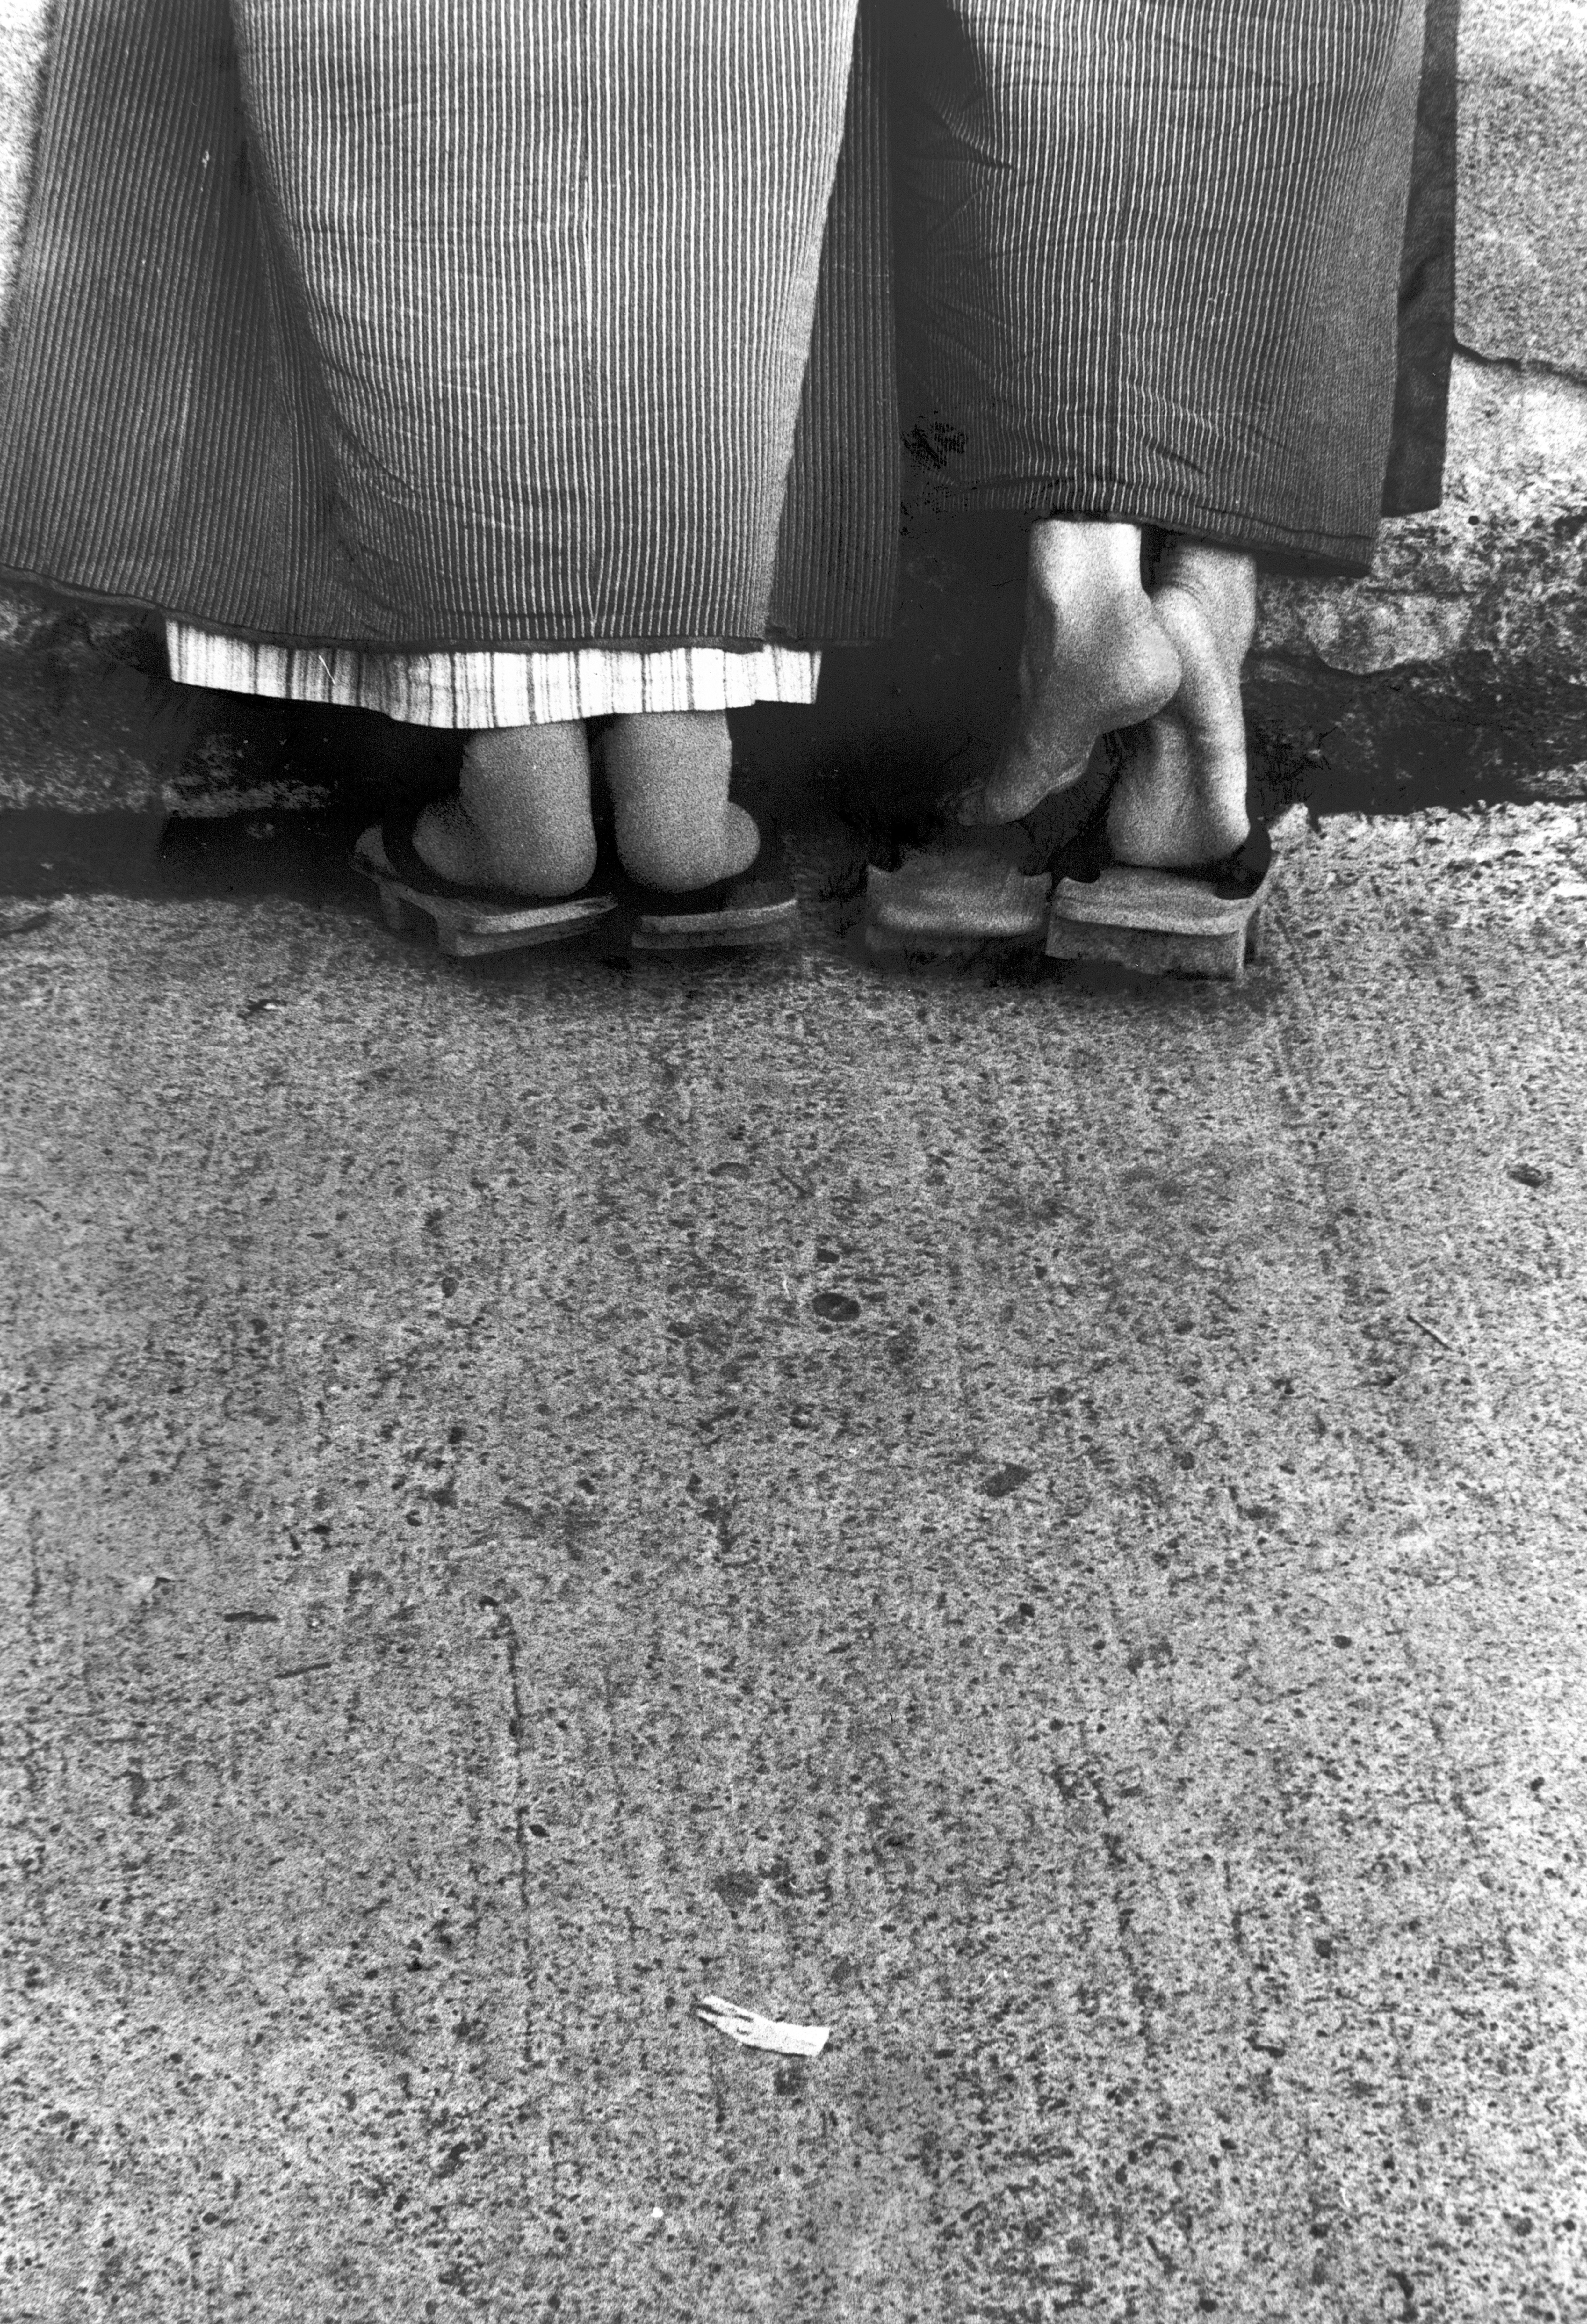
[[1523, 366], [507, 1631]]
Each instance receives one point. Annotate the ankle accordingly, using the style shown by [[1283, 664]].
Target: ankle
[[1221, 583], [503, 765], [668, 748], [1080, 561]]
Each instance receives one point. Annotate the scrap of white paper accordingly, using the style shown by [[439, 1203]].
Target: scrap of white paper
[[756, 2032]]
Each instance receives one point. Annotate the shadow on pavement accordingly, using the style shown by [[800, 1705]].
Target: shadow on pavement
[[926, 713], [305, 782], [266, 798], [49, 852]]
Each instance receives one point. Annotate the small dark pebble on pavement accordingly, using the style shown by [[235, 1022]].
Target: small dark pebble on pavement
[[837, 1306], [1005, 1480], [17, 920]]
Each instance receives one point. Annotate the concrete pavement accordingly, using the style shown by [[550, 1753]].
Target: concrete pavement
[[1033, 1519]]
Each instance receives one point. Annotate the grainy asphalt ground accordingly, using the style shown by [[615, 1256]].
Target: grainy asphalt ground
[[922, 1505]]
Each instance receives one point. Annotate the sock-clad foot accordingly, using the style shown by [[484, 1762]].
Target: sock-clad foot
[[1179, 803], [1095, 658], [677, 828], [521, 820]]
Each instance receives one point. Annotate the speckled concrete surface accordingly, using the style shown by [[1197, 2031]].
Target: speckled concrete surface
[[1036, 1521]]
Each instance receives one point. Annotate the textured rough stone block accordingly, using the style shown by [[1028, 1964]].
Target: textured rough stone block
[[1523, 277], [1462, 656], [1499, 570], [1497, 580]]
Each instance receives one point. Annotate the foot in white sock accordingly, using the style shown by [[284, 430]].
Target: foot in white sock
[[521, 820], [669, 774]]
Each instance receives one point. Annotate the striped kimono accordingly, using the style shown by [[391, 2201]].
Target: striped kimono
[[1154, 264], [374, 345], [492, 360]]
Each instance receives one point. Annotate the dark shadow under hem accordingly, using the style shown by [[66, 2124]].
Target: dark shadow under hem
[[55, 591], [1276, 548]]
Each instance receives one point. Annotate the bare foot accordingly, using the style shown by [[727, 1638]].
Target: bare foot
[[1179, 803], [521, 817], [677, 828], [1095, 658]]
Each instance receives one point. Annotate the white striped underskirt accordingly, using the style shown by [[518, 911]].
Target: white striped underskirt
[[470, 691]]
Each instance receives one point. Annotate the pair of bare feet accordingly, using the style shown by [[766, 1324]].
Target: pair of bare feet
[[1102, 655], [521, 820]]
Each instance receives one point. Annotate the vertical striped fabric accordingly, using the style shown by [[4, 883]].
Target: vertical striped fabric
[[470, 691], [1150, 258], [456, 324], [838, 559]]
